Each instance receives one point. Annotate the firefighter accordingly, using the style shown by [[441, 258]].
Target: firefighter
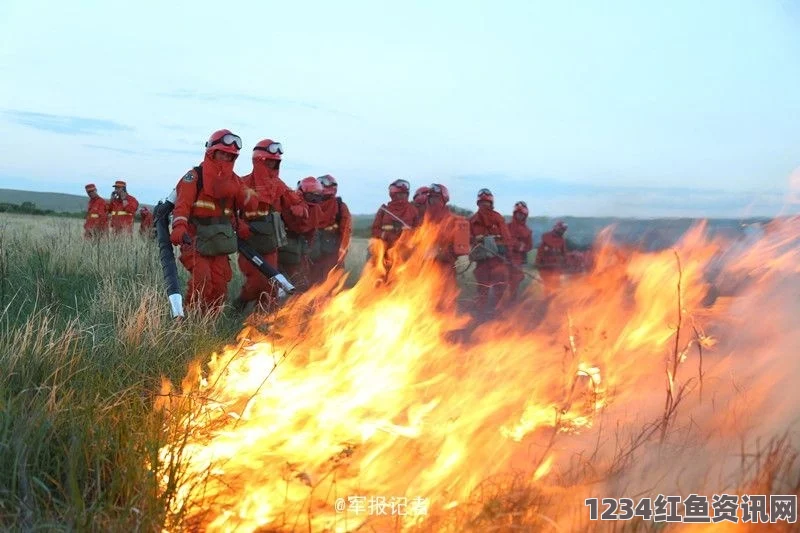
[[551, 257], [122, 207], [146, 228], [332, 238], [521, 244], [398, 215], [294, 258], [453, 231], [490, 240], [203, 221], [263, 228], [96, 224], [421, 201]]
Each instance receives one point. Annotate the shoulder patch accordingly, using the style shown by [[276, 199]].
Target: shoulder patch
[[188, 177]]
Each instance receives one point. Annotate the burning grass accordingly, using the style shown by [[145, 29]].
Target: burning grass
[[366, 393]]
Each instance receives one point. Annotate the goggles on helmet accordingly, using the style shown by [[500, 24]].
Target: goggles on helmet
[[327, 181], [228, 139], [274, 148], [486, 192], [402, 184], [436, 189], [521, 204]]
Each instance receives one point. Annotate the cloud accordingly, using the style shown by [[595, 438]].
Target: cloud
[[176, 151], [64, 124], [113, 149], [184, 94]]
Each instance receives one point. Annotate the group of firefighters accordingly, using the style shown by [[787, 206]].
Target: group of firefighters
[[305, 231], [116, 214]]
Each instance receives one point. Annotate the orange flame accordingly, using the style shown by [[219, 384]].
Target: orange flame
[[387, 394]]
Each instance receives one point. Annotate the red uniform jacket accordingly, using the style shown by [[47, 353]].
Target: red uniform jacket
[[122, 213], [490, 222], [329, 209], [96, 215], [191, 203], [552, 251], [521, 241], [387, 227]]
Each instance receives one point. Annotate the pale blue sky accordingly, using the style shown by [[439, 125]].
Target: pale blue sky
[[579, 108]]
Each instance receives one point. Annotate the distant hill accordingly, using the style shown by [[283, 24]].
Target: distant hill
[[55, 201], [655, 233]]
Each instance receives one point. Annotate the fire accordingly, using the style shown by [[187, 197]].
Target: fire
[[386, 391]]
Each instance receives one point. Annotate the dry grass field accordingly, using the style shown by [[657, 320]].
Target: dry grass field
[[85, 338]]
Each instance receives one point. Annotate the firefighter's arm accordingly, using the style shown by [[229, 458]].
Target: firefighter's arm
[[293, 202], [246, 198], [185, 194], [529, 242], [130, 204]]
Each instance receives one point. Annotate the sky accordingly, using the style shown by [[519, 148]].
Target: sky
[[618, 108]]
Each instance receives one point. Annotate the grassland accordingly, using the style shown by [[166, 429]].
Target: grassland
[[85, 336]]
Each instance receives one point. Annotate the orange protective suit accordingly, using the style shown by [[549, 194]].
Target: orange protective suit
[[96, 224], [273, 195], [493, 271], [122, 212], [300, 229], [335, 226], [146, 223], [521, 244], [222, 192], [447, 226], [387, 228], [551, 259]]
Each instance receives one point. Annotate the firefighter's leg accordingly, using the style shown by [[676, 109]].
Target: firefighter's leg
[[200, 288], [221, 275]]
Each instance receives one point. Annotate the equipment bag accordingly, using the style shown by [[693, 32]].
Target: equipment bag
[[215, 236], [486, 249], [294, 250], [267, 233]]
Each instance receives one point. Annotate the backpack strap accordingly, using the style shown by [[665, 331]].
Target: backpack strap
[[199, 171], [338, 210]]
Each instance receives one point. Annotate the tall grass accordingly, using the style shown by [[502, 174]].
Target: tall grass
[[85, 335]]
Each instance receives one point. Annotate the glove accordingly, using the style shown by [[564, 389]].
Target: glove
[[179, 232], [299, 210], [243, 230], [251, 202]]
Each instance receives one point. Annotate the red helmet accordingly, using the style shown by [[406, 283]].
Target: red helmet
[[560, 227], [437, 189], [421, 195], [224, 141], [267, 149], [310, 185], [399, 187], [329, 184], [485, 195], [521, 207]]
